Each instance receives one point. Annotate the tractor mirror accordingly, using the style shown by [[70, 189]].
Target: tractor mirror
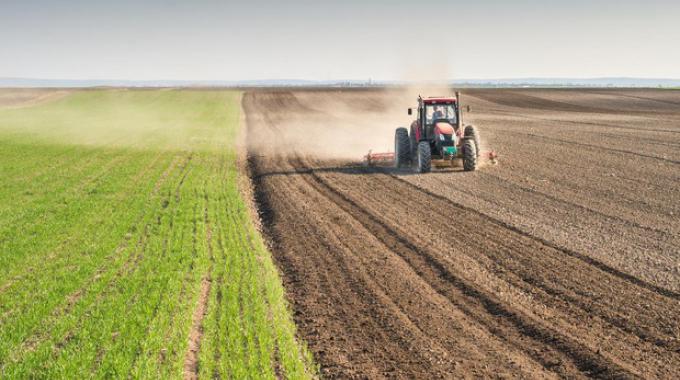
[[410, 111]]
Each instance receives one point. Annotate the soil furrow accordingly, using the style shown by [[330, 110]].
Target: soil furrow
[[602, 148], [564, 297], [588, 260], [390, 278], [519, 327]]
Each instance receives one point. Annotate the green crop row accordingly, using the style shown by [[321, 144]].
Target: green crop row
[[123, 238]]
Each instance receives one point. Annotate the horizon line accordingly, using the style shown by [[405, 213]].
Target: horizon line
[[371, 79]]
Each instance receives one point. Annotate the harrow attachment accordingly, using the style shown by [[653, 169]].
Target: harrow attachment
[[373, 159]]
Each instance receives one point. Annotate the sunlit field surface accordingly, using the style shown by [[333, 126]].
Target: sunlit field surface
[[126, 249]]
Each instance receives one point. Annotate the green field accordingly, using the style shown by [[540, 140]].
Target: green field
[[121, 221]]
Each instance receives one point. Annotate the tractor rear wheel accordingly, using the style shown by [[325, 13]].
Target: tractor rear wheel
[[424, 157], [472, 132], [469, 155], [402, 148]]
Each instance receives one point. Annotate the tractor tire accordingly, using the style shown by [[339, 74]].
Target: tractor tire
[[424, 157], [471, 132], [414, 146], [469, 155], [402, 148]]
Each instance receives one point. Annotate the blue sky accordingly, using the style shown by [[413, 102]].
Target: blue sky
[[299, 39]]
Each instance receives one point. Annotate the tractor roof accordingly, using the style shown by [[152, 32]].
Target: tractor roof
[[439, 100]]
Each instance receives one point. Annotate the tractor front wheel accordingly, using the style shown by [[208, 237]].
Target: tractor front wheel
[[424, 157], [469, 155], [402, 148]]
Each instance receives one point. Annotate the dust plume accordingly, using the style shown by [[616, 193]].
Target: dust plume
[[123, 118], [331, 124], [12, 98], [340, 123]]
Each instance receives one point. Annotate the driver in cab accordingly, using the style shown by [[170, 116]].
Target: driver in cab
[[438, 113]]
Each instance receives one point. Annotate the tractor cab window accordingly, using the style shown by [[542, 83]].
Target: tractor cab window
[[444, 112]]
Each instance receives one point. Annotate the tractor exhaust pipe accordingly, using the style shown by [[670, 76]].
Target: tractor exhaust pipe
[[459, 119]]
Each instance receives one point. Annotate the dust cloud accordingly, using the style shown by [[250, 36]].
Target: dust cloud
[[165, 119], [341, 123], [12, 98], [331, 124]]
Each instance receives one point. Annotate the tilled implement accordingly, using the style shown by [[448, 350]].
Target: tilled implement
[[387, 158]]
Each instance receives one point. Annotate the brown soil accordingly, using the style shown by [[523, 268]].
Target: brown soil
[[196, 334], [561, 261]]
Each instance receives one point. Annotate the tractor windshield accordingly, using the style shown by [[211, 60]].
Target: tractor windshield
[[434, 112]]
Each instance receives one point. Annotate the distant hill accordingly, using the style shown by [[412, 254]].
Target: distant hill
[[501, 82]]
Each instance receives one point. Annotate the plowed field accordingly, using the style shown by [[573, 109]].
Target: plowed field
[[563, 260]]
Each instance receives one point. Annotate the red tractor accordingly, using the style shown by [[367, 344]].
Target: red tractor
[[437, 137]]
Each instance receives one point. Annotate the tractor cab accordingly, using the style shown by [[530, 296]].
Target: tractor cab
[[434, 112]]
